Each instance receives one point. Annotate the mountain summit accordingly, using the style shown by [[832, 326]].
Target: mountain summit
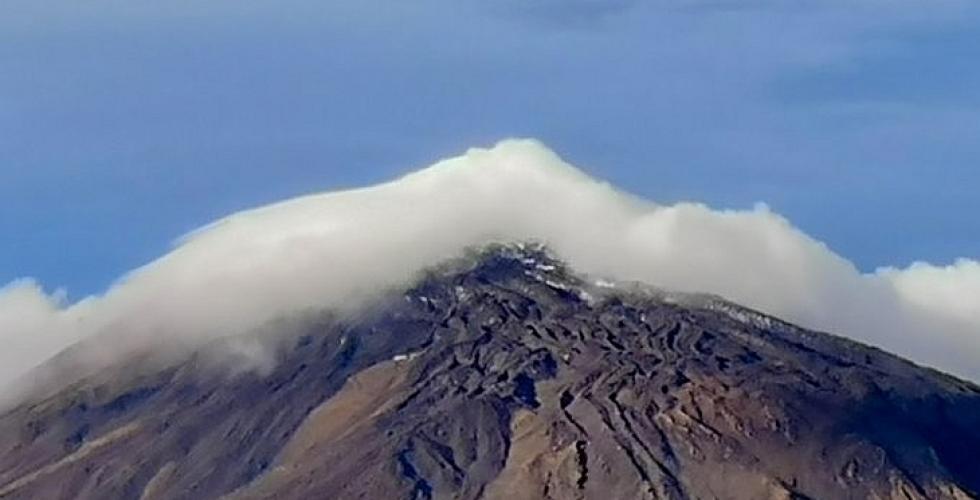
[[339, 249], [508, 375]]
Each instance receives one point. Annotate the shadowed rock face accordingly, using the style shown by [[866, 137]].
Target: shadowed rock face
[[511, 378]]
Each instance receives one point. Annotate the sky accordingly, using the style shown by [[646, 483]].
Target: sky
[[125, 124]]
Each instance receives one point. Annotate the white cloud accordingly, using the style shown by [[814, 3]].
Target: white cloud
[[338, 249]]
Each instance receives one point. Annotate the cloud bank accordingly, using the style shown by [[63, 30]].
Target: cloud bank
[[338, 249]]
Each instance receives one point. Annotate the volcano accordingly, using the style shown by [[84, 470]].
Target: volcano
[[508, 375]]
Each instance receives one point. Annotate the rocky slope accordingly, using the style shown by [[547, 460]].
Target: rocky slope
[[510, 377]]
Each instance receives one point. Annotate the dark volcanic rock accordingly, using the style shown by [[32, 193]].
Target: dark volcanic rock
[[509, 377]]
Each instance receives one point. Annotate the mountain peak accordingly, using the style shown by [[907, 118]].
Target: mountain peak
[[507, 375], [342, 249]]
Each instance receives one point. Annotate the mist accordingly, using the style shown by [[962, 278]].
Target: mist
[[340, 250]]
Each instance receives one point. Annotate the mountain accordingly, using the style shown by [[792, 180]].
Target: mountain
[[508, 375]]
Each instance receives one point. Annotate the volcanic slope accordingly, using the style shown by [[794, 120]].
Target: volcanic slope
[[507, 375]]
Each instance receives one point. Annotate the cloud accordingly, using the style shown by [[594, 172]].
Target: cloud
[[26, 312], [886, 68], [561, 12], [338, 250]]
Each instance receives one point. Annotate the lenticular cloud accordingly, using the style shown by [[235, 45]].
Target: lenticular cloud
[[337, 250]]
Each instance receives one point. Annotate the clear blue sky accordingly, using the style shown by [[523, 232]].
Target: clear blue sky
[[124, 124]]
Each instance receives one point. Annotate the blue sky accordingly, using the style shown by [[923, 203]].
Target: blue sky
[[124, 124]]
